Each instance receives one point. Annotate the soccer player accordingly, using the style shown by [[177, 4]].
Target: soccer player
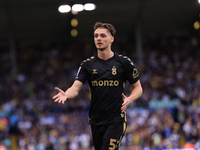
[[106, 73]]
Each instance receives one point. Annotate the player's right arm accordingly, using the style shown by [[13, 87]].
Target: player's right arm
[[70, 93]]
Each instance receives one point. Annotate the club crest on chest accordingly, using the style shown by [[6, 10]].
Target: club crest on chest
[[114, 70]]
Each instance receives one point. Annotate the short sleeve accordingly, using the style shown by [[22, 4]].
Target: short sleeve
[[82, 73], [131, 73]]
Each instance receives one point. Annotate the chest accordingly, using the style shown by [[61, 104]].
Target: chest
[[106, 70]]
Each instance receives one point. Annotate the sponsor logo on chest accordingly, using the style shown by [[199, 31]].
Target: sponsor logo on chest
[[105, 82]]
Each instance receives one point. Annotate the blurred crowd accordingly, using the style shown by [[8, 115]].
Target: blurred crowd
[[166, 116]]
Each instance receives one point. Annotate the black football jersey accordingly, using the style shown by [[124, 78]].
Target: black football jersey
[[106, 79]]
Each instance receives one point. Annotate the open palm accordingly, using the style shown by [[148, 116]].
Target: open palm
[[61, 96]]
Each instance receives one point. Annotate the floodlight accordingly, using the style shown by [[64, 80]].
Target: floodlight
[[89, 6], [77, 7], [64, 9]]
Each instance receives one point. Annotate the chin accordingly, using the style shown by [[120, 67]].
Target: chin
[[101, 49]]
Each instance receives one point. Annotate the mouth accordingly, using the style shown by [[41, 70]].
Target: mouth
[[99, 43]]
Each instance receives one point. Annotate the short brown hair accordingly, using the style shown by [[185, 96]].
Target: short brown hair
[[108, 26]]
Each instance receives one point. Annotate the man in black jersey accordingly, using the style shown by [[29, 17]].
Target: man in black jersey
[[106, 73]]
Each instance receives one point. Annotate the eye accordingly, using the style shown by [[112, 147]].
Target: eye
[[103, 35], [95, 35]]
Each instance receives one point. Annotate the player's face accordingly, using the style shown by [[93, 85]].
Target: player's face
[[102, 39]]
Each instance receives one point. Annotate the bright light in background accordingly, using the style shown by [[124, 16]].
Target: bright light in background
[[74, 22], [196, 25], [199, 1], [74, 12], [64, 9], [89, 6], [74, 32], [77, 7]]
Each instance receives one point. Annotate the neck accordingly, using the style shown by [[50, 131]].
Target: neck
[[106, 54]]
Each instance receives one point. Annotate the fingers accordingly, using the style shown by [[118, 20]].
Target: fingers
[[59, 100], [56, 100], [58, 89], [58, 97], [124, 104], [55, 96], [123, 96], [124, 99], [123, 108]]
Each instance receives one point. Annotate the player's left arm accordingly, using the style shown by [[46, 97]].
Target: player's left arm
[[135, 94]]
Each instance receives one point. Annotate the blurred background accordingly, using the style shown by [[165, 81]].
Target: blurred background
[[43, 44]]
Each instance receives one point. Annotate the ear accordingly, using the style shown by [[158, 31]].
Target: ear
[[112, 39]]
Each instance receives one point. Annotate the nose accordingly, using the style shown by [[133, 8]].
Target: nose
[[98, 38]]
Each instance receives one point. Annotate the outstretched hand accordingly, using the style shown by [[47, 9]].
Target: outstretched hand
[[60, 97], [125, 103]]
